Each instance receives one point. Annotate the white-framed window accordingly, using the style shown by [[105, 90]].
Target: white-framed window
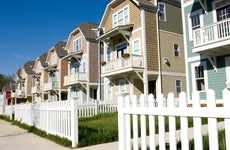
[[136, 47], [195, 20], [176, 50], [53, 59], [121, 17], [178, 86], [109, 90], [122, 86], [162, 11], [84, 67], [39, 67], [77, 44], [200, 77], [109, 55], [121, 49]]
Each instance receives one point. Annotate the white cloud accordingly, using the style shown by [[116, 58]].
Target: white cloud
[[21, 56]]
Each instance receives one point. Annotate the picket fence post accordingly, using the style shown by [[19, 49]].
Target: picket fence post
[[172, 123], [152, 131], [184, 123], [161, 123], [212, 122], [121, 121], [197, 123], [135, 124], [226, 95], [74, 121]]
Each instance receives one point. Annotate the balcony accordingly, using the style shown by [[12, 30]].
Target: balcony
[[213, 40], [75, 78], [52, 85], [36, 89], [123, 65]]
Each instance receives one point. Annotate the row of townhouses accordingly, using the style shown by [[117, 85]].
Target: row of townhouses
[[139, 47]]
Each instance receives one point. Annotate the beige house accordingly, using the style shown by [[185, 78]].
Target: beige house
[[38, 78], [56, 70], [82, 58], [23, 78], [142, 52]]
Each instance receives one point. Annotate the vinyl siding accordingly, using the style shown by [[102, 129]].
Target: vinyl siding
[[93, 64], [151, 41]]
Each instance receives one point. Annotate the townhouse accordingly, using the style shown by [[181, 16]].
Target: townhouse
[[141, 48], [82, 58], [207, 37], [56, 70], [38, 78], [23, 79]]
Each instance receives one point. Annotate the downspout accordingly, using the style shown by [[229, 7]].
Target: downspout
[[159, 52], [145, 74], [88, 76], [60, 81]]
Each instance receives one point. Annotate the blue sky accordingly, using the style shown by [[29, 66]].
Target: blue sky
[[28, 28]]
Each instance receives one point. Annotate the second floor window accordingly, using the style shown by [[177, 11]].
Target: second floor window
[[121, 49], [121, 17], [176, 50], [136, 47], [77, 44], [54, 59], [162, 12], [109, 55], [195, 21]]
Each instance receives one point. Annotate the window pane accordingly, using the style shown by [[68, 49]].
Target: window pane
[[120, 18]]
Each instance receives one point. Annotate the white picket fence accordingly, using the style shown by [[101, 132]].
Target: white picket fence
[[129, 110], [57, 117]]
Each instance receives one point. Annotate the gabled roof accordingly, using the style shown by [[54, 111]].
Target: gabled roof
[[43, 60], [87, 29], [28, 67], [60, 49], [142, 4]]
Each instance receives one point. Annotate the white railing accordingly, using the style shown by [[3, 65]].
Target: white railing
[[51, 85], [36, 89], [133, 61], [74, 78], [21, 92], [128, 113], [93, 108], [212, 33]]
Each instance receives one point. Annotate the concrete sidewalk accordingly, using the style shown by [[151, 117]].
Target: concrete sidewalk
[[12, 137]]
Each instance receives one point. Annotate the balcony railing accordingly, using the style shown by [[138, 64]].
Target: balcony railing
[[21, 92], [133, 61], [75, 78], [212, 33], [52, 85], [36, 89]]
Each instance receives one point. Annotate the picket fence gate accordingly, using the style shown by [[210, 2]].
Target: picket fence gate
[[147, 110]]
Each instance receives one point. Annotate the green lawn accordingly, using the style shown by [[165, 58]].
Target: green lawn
[[103, 128]]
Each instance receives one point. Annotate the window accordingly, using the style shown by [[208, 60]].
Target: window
[[109, 88], [77, 44], [176, 49], [39, 67], [84, 67], [195, 21], [122, 86], [199, 78], [178, 86], [54, 59], [121, 49], [136, 47], [223, 13], [109, 55], [162, 12], [121, 17]]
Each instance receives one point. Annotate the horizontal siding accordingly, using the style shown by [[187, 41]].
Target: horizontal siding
[[151, 41]]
